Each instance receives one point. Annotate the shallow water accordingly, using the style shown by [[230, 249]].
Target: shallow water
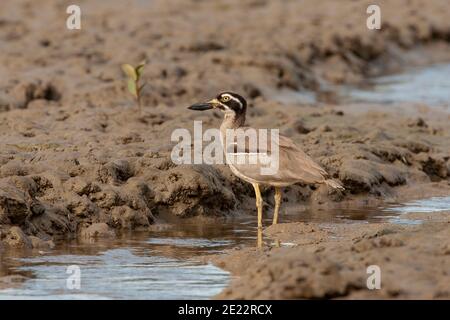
[[128, 273], [435, 204], [429, 85], [426, 85], [164, 264]]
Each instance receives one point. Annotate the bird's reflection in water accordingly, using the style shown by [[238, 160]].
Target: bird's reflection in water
[[260, 238], [276, 243]]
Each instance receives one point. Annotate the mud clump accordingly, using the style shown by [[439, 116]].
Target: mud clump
[[125, 217], [122, 194], [116, 172], [22, 94], [358, 175], [13, 206], [434, 167], [97, 230], [17, 238], [195, 190]]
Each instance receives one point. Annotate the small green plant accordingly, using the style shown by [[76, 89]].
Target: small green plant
[[134, 84]]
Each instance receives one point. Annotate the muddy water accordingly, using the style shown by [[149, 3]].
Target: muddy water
[[426, 85], [429, 85], [163, 263]]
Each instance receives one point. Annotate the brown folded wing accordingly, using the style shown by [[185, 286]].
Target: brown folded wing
[[294, 164]]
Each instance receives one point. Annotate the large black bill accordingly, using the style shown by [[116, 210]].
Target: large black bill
[[201, 106]]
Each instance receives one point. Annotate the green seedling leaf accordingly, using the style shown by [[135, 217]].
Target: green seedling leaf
[[132, 87], [140, 69], [130, 72]]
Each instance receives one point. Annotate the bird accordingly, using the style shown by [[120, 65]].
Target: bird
[[294, 165]]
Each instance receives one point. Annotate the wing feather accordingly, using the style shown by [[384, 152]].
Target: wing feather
[[294, 164]]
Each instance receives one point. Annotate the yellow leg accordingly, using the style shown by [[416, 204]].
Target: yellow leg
[[258, 204], [260, 238], [277, 204]]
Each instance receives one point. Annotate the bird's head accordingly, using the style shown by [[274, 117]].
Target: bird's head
[[227, 102]]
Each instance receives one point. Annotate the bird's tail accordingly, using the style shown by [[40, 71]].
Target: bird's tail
[[334, 184]]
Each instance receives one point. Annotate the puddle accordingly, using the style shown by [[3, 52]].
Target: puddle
[[164, 264], [430, 85], [434, 204], [129, 273], [160, 264]]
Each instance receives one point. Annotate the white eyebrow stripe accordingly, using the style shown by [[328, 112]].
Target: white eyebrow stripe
[[233, 98]]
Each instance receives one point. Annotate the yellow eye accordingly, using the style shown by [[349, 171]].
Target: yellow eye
[[225, 98]]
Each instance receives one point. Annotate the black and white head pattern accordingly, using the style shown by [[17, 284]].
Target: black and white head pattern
[[233, 102]]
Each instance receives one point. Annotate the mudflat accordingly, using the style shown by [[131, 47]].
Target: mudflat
[[78, 160]]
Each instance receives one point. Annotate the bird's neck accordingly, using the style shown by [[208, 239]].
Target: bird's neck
[[233, 121]]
